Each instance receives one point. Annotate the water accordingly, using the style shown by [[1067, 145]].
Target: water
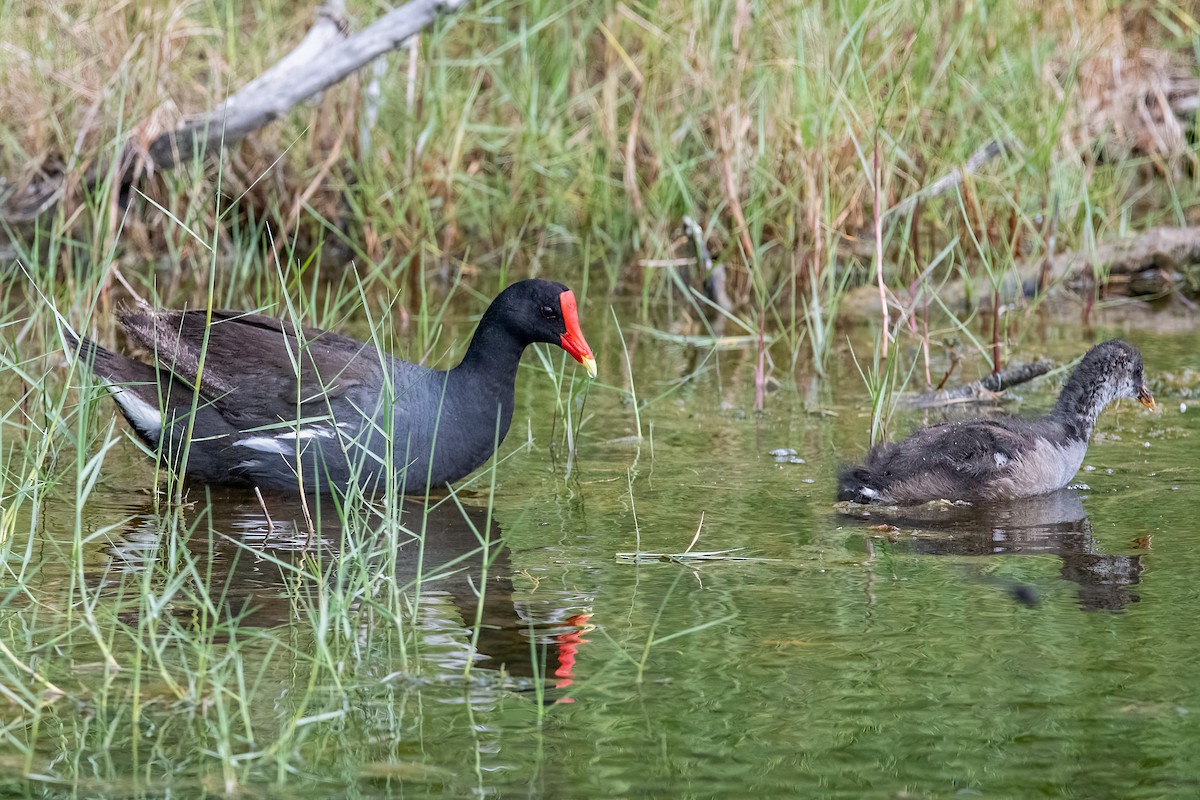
[[1043, 649]]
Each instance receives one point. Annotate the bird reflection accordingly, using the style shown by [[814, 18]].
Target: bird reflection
[[1054, 523], [458, 585]]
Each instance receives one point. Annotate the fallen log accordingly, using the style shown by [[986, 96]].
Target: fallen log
[[327, 55], [1156, 262], [984, 390]]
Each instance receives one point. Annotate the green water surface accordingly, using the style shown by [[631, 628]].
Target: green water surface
[[1044, 650]]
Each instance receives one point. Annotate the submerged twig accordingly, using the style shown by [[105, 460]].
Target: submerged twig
[[263, 505], [686, 557], [695, 538]]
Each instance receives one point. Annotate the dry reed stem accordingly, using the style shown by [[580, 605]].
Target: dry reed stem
[[726, 138]]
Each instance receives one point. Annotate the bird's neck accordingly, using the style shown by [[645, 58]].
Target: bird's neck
[[486, 377], [1081, 402], [494, 353]]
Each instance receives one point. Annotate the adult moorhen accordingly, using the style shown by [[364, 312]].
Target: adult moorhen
[[285, 407], [1005, 458]]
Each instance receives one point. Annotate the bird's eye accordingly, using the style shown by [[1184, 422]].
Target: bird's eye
[[549, 313]]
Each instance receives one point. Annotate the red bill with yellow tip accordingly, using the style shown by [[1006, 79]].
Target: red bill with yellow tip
[[572, 341]]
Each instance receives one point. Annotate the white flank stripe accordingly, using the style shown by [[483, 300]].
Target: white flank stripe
[[306, 433], [145, 417], [285, 443], [267, 444]]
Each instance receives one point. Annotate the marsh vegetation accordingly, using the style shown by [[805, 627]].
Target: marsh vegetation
[[634, 596]]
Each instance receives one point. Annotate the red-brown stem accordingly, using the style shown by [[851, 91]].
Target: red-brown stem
[[1089, 301], [949, 370], [760, 380], [878, 231]]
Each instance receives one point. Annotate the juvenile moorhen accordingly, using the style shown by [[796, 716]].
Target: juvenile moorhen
[[285, 407], [1005, 458]]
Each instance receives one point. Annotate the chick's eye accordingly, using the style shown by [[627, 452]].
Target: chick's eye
[[549, 313]]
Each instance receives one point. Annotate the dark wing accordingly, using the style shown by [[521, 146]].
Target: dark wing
[[258, 370], [958, 451]]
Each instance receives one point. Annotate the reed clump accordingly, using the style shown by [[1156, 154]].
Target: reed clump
[[520, 140]]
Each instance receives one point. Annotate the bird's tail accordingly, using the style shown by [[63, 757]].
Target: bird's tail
[[133, 385], [106, 365], [78, 348]]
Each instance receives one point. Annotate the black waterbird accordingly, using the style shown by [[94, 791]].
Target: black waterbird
[[285, 407]]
